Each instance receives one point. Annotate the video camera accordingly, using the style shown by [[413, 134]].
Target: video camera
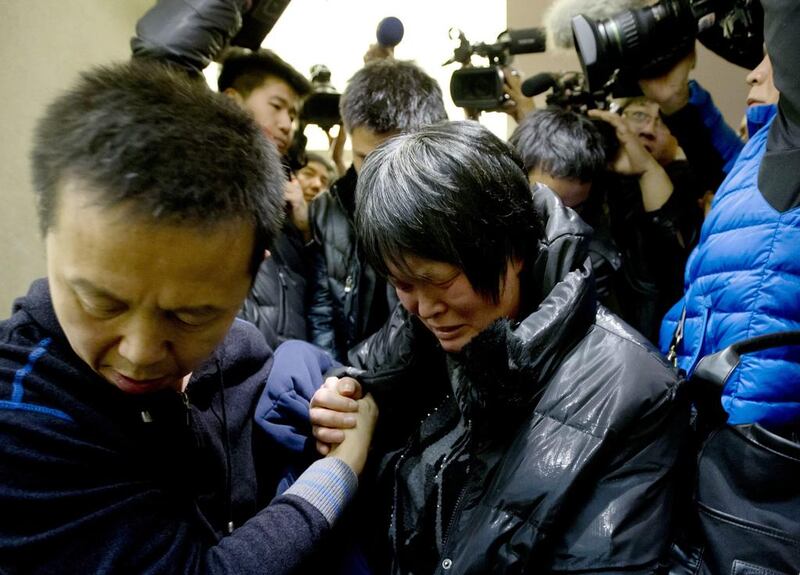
[[567, 91], [647, 42], [483, 88], [321, 107]]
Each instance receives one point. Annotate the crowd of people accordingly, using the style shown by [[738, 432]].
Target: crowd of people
[[574, 351]]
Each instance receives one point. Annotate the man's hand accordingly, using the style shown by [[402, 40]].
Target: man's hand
[[378, 52], [671, 90], [355, 447], [334, 409], [336, 145], [632, 158], [293, 194], [518, 105]]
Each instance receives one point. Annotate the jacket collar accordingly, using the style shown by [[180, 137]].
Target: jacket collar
[[759, 116], [242, 351], [504, 369], [344, 191]]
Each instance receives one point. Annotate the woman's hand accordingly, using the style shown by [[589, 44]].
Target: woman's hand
[[334, 409]]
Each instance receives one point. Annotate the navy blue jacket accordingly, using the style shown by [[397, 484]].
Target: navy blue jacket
[[89, 484]]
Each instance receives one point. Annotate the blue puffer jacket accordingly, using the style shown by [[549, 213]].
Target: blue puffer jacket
[[743, 280]]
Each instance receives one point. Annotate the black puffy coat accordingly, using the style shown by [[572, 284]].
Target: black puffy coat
[[348, 300], [553, 444], [277, 301]]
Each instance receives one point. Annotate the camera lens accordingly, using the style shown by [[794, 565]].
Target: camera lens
[[643, 42]]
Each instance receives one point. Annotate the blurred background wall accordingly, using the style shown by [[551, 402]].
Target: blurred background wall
[[45, 43]]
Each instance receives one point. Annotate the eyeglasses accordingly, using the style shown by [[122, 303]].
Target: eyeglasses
[[640, 118]]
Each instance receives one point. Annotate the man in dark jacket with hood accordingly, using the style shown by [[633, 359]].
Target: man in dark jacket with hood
[[270, 90], [524, 429], [127, 388], [348, 300]]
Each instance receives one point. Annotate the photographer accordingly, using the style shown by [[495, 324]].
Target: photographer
[[637, 211], [688, 110], [653, 214]]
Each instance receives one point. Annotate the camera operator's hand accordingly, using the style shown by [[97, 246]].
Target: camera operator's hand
[[634, 160], [293, 194], [671, 90], [336, 146], [378, 52], [518, 105]]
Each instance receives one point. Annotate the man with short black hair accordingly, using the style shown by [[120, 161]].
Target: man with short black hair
[[127, 386], [348, 300], [271, 89]]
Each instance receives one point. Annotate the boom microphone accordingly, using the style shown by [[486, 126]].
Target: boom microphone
[[390, 32], [558, 18], [538, 84]]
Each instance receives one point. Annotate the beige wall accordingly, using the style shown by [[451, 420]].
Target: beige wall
[[725, 81], [43, 45]]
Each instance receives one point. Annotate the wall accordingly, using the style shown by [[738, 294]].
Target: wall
[[43, 45]]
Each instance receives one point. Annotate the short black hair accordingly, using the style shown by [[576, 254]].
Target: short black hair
[[560, 143], [145, 134], [391, 96], [452, 192], [245, 70]]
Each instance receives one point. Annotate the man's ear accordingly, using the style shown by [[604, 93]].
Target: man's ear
[[234, 95], [516, 265], [267, 255]]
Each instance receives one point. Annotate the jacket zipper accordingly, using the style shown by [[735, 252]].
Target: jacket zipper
[[186, 408], [393, 518], [460, 500], [281, 323]]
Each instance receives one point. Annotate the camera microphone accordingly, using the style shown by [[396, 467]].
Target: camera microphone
[[538, 84], [390, 32]]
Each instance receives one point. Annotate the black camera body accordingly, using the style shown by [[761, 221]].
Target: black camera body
[[647, 42], [483, 87], [321, 107]]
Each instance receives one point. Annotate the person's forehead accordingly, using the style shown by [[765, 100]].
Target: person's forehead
[[417, 267], [318, 167], [78, 201], [278, 85], [642, 106]]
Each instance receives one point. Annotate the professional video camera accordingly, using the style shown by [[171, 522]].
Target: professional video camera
[[482, 88], [647, 42], [321, 107]]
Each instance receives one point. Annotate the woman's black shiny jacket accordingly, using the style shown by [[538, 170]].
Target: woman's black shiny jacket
[[574, 430]]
